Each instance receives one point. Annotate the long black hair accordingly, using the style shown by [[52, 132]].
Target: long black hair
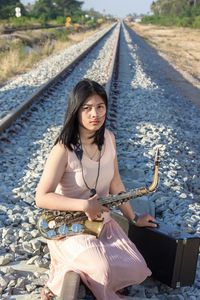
[[69, 134]]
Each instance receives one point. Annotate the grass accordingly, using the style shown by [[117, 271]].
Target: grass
[[14, 58]]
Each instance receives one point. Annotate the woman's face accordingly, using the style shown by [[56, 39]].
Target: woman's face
[[92, 113]]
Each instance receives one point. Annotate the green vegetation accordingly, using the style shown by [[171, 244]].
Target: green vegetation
[[47, 12], [185, 13], [7, 8], [48, 9], [21, 50], [19, 54]]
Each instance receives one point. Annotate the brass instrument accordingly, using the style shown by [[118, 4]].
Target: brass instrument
[[59, 224]]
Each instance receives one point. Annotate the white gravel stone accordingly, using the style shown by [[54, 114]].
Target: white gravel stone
[[150, 113]]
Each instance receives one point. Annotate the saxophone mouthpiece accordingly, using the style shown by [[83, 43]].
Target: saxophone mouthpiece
[[157, 155]]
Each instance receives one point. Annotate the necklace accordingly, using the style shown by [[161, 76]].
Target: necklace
[[94, 154], [79, 153], [92, 190]]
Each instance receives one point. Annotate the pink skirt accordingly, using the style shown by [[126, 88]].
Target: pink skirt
[[105, 264]]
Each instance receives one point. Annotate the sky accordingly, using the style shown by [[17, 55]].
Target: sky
[[119, 8]]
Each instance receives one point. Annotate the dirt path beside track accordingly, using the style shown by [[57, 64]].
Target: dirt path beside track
[[181, 48]]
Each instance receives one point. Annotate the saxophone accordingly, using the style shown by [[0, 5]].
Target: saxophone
[[54, 224]]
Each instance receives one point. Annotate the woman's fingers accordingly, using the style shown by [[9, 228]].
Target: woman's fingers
[[147, 220], [94, 209], [104, 208]]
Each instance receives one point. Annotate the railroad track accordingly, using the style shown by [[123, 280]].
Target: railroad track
[[12, 30], [14, 121], [143, 113]]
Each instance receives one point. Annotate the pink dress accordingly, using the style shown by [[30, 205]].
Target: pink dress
[[105, 264]]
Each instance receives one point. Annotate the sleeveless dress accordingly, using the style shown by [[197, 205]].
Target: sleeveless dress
[[105, 264]]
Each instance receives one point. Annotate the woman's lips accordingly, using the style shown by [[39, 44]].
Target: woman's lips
[[95, 122]]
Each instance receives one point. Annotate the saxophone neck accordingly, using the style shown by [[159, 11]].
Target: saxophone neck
[[155, 181], [116, 200]]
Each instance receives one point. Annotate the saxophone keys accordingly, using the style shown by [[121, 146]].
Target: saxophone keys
[[77, 228], [44, 224], [52, 224], [51, 234], [63, 230]]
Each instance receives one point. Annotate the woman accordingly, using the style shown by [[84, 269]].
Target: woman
[[82, 167]]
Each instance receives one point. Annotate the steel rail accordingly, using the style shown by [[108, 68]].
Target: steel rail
[[12, 30], [15, 113]]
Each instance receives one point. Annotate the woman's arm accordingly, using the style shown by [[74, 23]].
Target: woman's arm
[[52, 174], [53, 171]]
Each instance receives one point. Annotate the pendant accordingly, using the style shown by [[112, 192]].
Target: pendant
[[92, 192]]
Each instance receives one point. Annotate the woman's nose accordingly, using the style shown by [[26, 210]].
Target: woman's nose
[[94, 112]]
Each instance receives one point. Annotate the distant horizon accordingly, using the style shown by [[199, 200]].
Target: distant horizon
[[120, 8]]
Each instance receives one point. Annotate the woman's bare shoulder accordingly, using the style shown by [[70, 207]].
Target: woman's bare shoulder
[[109, 132], [60, 147], [59, 150]]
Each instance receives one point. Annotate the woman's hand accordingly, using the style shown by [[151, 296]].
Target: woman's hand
[[146, 220], [93, 209]]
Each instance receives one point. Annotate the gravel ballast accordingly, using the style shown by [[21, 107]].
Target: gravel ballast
[[151, 112]]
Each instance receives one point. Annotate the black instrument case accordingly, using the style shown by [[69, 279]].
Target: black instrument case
[[170, 254]]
